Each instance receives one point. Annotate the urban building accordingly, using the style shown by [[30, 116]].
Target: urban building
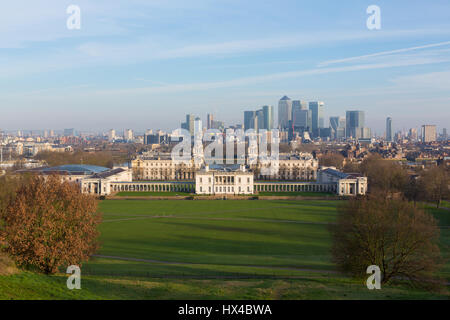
[[284, 112], [111, 135], [209, 121], [189, 124], [250, 120], [354, 123], [337, 125], [389, 130], [317, 117], [268, 117], [428, 133], [224, 179]]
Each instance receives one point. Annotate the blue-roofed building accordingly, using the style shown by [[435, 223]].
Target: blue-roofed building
[[74, 169]]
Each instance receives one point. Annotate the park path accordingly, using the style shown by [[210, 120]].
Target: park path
[[230, 265], [219, 219]]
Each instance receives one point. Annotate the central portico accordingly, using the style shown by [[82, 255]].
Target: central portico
[[224, 179]]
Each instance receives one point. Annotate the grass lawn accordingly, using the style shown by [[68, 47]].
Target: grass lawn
[[214, 249]]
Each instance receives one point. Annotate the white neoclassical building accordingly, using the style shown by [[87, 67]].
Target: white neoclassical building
[[224, 179], [347, 184]]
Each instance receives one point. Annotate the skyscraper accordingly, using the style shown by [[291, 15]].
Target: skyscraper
[[428, 133], [301, 117], [112, 135], [198, 129], [209, 121], [284, 112], [128, 135], [389, 131], [249, 120], [354, 123], [268, 117], [189, 124], [260, 121], [317, 116], [337, 125]]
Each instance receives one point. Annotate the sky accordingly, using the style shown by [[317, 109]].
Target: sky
[[146, 63]]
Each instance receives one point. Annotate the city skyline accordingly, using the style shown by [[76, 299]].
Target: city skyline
[[127, 69]]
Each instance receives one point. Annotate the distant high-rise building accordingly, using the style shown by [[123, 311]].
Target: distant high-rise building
[[354, 123], [128, 135], [444, 134], [219, 125], [389, 130], [337, 125], [268, 117], [297, 104], [249, 120], [260, 119], [69, 132], [428, 133], [365, 133], [198, 129], [209, 121], [412, 135], [189, 124], [284, 112], [317, 116], [112, 135], [301, 118]]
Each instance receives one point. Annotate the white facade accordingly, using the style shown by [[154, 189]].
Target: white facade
[[224, 181], [348, 184], [100, 183]]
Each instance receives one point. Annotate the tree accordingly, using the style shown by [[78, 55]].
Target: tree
[[49, 224], [392, 234], [332, 160], [384, 175], [434, 184]]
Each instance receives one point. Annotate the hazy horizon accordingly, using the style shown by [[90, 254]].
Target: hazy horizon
[[145, 64]]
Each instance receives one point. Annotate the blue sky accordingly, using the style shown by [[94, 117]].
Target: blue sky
[[145, 64]]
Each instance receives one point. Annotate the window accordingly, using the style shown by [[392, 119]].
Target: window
[[201, 180], [248, 180], [201, 189]]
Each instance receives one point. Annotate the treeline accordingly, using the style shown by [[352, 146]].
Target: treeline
[[98, 158], [390, 178]]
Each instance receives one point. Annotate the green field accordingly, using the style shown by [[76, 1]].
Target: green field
[[149, 193], [215, 249], [297, 193]]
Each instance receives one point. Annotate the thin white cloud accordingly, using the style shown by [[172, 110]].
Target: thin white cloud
[[383, 53], [272, 77]]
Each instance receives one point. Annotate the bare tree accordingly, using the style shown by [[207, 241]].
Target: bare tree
[[392, 234], [434, 185]]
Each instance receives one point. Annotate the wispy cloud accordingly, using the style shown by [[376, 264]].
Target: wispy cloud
[[245, 81], [383, 53]]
